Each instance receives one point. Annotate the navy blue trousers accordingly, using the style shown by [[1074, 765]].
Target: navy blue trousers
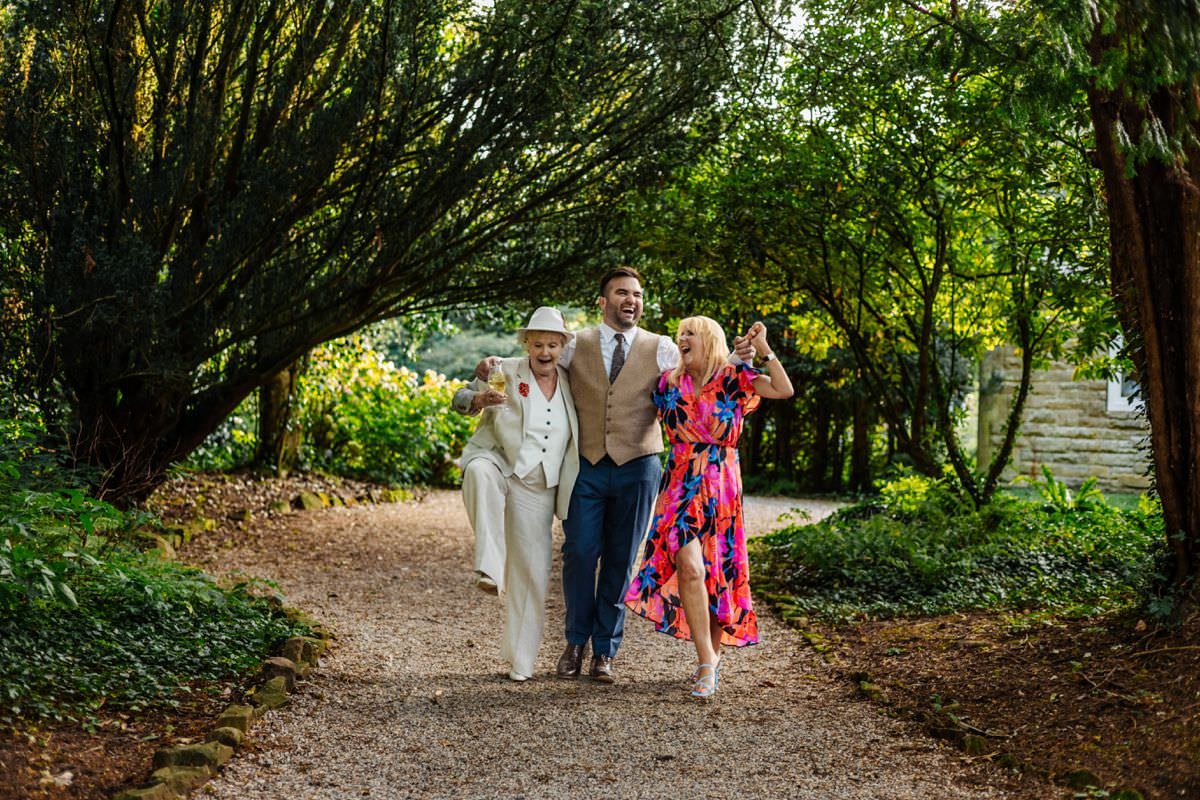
[[607, 521]]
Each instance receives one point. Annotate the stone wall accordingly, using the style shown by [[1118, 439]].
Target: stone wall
[[1067, 426]]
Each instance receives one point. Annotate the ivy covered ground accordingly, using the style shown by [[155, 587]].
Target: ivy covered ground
[[87, 717]]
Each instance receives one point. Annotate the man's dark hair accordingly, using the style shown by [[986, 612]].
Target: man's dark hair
[[618, 272]]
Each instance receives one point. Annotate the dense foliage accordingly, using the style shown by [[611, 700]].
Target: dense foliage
[[192, 196], [202, 192], [358, 415], [897, 211], [921, 549], [89, 620]]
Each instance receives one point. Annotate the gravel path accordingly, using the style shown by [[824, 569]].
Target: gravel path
[[413, 701]]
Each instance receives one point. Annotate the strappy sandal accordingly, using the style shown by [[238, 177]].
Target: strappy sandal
[[695, 676], [705, 686]]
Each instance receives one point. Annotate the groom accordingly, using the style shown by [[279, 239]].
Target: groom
[[613, 371]]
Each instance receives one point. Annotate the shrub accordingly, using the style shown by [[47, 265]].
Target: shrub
[[919, 550], [360, 416], [364, 417]]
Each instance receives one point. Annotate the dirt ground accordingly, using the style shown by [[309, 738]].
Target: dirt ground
[[1110, 703], [1028, 706]]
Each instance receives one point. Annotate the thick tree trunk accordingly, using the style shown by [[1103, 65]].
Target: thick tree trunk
[[126, 446], [278, 440], [133, 432], [132, 437], [1154, 217]]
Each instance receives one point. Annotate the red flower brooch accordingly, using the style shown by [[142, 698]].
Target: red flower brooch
[[523, 389]]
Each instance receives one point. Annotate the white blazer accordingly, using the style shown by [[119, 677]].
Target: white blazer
[[499, 435]]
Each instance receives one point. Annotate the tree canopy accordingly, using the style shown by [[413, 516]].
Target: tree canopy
[[896, 201], [194, 194]]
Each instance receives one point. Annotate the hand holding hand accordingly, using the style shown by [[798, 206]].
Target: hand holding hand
[[772, 381], [743, 348], [756, 339]]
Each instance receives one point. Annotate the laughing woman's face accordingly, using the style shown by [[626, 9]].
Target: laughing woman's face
[[691, 349], [544, 349]]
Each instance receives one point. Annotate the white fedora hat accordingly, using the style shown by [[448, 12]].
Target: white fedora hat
[[546, 319]]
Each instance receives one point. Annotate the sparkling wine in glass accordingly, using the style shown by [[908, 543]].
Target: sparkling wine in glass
[[499, 383]]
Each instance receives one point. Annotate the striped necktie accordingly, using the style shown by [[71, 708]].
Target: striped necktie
[[618, 359]]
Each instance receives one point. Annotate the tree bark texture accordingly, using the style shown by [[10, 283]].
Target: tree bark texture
[[1154, 216], [278, 441]]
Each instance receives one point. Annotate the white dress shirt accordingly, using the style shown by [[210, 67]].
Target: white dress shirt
[[667, 355]]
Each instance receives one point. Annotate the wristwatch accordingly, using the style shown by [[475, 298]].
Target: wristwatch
[[767, 357]]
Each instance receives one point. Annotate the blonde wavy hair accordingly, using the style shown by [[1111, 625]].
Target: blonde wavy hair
[[712, 339]]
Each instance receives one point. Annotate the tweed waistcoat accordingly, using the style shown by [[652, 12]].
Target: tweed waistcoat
[[619, 418]]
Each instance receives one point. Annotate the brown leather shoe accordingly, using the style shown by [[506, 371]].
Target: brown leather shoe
[[570, 663], [602, 669]]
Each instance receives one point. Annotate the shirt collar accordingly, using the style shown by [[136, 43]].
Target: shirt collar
[[608, 334]]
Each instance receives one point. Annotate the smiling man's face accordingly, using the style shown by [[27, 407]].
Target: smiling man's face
[[621, 303]]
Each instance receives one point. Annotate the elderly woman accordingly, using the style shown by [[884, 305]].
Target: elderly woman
[[520, 467], [694, 582]]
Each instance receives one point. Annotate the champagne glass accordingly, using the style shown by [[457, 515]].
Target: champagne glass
[[498, 382]]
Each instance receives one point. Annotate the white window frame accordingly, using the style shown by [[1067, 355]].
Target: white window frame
[[1124, 395]]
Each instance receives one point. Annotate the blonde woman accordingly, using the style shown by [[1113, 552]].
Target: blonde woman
[[694, 582]]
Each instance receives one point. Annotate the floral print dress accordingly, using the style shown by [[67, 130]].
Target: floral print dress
[[700, 497]]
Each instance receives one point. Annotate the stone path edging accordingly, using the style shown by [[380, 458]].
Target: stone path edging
[[181, 769]]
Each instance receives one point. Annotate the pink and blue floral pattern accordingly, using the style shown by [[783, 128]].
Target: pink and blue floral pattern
[[700, 497]]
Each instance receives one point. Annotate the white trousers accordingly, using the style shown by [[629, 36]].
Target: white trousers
[[484, 491], [527, 520]]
